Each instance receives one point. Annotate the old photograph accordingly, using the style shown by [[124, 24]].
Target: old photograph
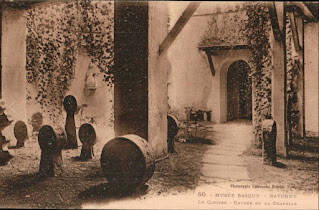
[[159, 104]]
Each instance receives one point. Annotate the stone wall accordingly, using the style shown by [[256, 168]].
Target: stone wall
[[190, 81], [13, 60], [158, 66], [311, 77], [97, 107]]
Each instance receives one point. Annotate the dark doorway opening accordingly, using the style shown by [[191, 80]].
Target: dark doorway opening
[[239, 93]]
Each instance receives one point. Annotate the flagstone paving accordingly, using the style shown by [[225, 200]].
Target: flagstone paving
[[223, 161]]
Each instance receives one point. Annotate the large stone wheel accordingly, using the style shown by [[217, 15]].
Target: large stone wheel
[[127, 162]]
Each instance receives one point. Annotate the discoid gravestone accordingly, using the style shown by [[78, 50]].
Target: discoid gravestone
[[87, 136], [51, 142], [36, 121], [269, 133], [5, 156], [172, 129], [127, 162], [70, 106], [21, 133]]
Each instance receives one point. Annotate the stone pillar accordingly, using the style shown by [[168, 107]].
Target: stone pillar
[[301, 77], [13, 61], [278, 97], [157, 78], [140, 91], [131, 64]]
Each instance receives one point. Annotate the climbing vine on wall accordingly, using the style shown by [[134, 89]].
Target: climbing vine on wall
[[98, 41], [292, 76], [226, 29], [257, 31], [55, 33]]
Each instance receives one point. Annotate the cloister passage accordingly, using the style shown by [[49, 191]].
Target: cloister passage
[[239, 100]]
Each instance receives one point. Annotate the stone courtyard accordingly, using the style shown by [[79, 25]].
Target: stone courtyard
[[111, 104], [195, 167]]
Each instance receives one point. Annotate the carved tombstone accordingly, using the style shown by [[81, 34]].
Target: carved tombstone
[[5, 156], [172, 129], [70, 106], [87, 136], [269, 132], [36, 122], [21, 133], [51, 142]]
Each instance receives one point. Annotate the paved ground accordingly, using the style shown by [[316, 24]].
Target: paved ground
[[223, 162]]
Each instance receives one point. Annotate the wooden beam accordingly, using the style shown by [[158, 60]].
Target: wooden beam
[[213, 49], [294, 30], [306, 12], [179, 25], [276, 17], [300, 24], [210, 61], [279, 7]]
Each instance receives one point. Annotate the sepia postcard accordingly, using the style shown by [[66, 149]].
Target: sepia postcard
[[159, 104]]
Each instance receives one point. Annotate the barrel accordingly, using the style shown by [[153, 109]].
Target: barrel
[[127, 162], [20, 132]]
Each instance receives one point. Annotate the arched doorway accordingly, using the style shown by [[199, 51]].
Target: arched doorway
[[239, 94]]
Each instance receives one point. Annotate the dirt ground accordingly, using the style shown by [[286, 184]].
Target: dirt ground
[[298, 173], [83, 182]]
